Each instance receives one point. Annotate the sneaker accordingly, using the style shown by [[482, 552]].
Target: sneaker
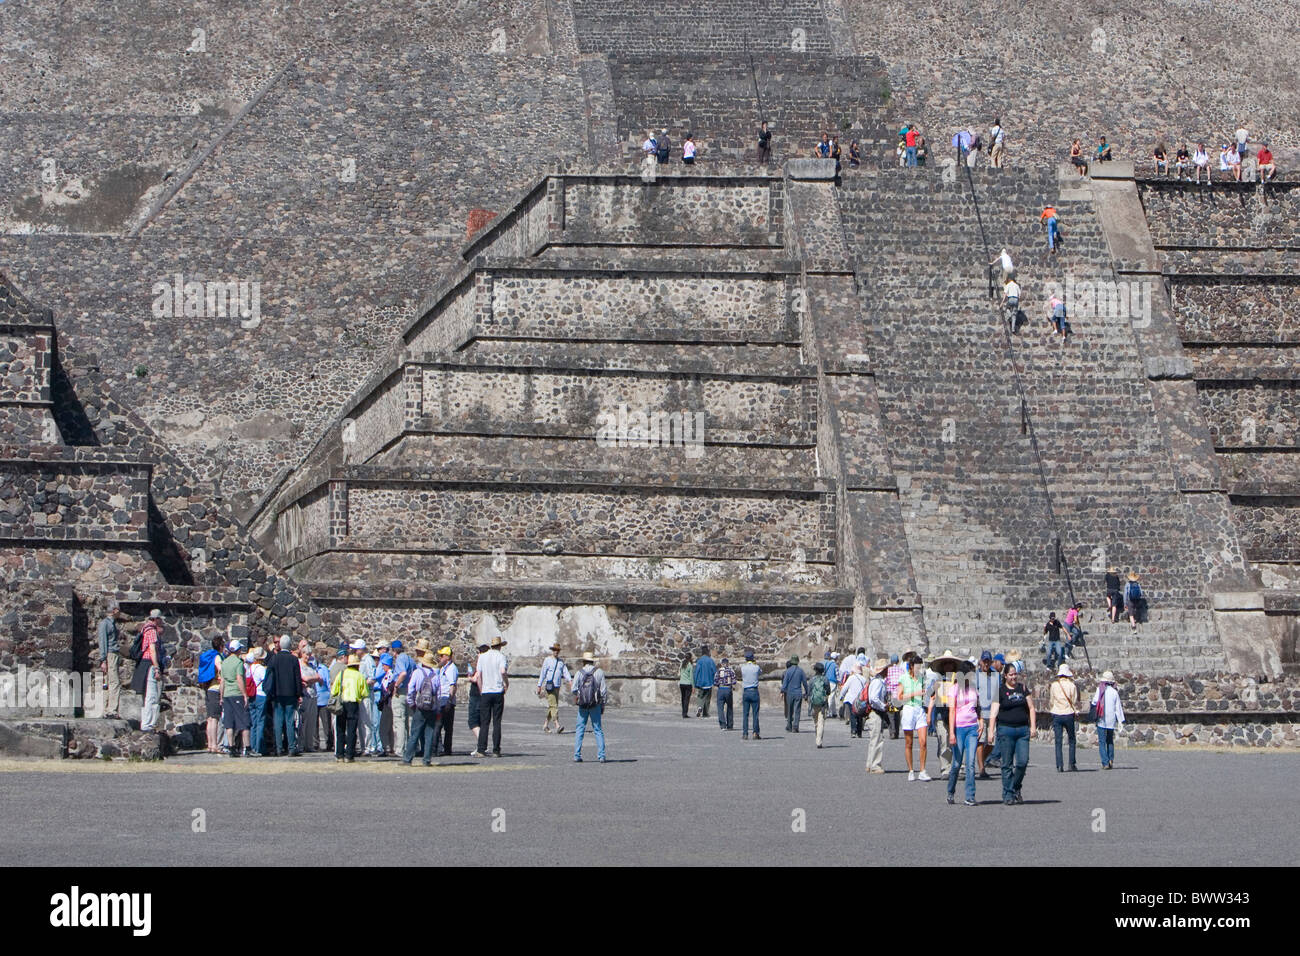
[[577, 760], [1019, 798], [496, 753], [757, 737], [1009, 803], [559, 728], [923, 777], [478, 753], [875, 770], [600, 760], [744, 736], [911, 775], [943, 775], [950, 799], [983, 775], [969, 803], [251, 753], [1074, 770]]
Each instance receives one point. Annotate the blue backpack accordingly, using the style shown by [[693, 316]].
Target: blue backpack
[[207, 666]]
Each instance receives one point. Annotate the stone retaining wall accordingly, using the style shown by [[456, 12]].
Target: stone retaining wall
[[1237, 309], [74, 502]]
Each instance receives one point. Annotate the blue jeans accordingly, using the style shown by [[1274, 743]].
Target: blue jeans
[[593, 714], [424, 730], [748, 703], [1013, 747], [257, 722], [911, 155], [726, 711], [284, 711], [793, 707], [1052, 234], [964, 754], [1106, 744], [373, 743], [1063, 722], [1055, 653]]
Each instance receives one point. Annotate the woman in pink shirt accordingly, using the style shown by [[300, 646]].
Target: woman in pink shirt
[[964, 730]]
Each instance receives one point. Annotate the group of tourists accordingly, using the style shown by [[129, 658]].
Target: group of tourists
[[1232, 157]]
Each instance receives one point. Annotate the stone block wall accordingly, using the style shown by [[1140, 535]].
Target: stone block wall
[[522, 517], [450, 321], [77, 500], [26, 356], [1242, 414], [1269, 526], [1237, 309], [723, 27], [1227, 216], [672, 211]]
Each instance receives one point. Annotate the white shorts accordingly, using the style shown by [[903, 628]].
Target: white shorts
[[914, 718]]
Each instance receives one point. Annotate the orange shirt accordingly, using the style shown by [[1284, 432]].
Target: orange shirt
[[1048, 213]]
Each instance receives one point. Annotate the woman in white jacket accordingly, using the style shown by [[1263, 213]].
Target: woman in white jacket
[[1110, 718]]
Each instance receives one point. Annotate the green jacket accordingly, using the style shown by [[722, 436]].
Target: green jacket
[[350, 686]]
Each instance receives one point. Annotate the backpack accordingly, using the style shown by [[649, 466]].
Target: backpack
[[819, 691], [250, 685], [1133, 592], [426, 697], [863, 703], [588, 690], [207, 667]]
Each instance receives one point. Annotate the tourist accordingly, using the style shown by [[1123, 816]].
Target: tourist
[[1055, 648], [369, 716], [1133, 600], [997, 143], [1182, 163], [1264, 164], [706, 669], [1063, 704], [1243, 137], [909, 145], [901, 150], [422, 694], [257, 703], [324, 719], [1072, 628], [794, 685], [922, 152], [876, 716], [749, 674], [973, 146], [835, 155], [819, 696], [208, 677], [831, 667], [1114, 600], [590, 693], [686, 682], [1008, 267], [234, 700], [650, 147], [725, 682], [663, 148], [490, 672], [893, 677], [387, 690], [1012, 723], [350, 688], [110, 658], [964, 731], [448, 675], [1052, 220], [1229, 161], [1011, 302], [911, 693], [1161, 160], [286, 671], [852, 697], [148, 677], [938, 688], [988, 681], [403, 666], [1108, 714], [1234, 163], [1201, 162], [855, 154], [822, 150], [307, 706], [550, 683], [1103, 151], [764, 145], [688, 150], [1076, 158], [1056, 320], [474, 712]]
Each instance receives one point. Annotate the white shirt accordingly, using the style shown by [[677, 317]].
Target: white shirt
[[448, 674], [492, 665], [1242, 135], [648, 146], [1200, 157], [1011, 290], [852, 688], [688, 149], [1007, 264], [996, 132], [258, 673]]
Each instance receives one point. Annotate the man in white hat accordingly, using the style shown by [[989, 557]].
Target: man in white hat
[[1063, 703], [1109, 714], [590, 694], [554, 673], [490, 675]]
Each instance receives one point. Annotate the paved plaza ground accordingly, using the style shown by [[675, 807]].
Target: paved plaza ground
[[674, 792]]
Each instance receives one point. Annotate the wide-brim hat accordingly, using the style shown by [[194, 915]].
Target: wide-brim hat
[[946, 663], [498, 642], [555, 646], [1107, 677], [1112, 570], [354, 660], [1064, 671], [794, 659], [879, 666], [258, 653], [422, 644], [446, 649], [428, 659], [1012, 657], [588, 656], [1132, 575]]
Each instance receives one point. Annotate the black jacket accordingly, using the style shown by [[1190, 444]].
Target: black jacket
[[283, 670]]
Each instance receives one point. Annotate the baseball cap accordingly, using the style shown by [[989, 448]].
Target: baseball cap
[[386, 659], [397, 645], [1000, 657], [986, 656]]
